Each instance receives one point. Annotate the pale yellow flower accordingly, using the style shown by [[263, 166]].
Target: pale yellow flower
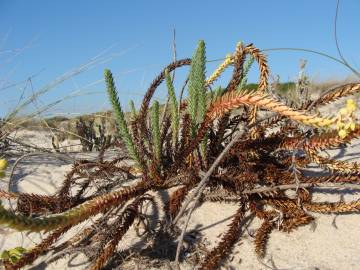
[[345, 119], [3, 164], [342, 133], [340, 125], [344, 111], [228, 61], [350, 105], [352, 126]]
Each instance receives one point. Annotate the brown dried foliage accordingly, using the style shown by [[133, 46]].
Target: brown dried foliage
[[262, 236], [222, 250], [117, 231]]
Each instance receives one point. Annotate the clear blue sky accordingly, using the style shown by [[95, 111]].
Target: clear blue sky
[[49, 38]]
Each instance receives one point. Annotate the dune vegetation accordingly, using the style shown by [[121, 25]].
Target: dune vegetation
[[230, 144]]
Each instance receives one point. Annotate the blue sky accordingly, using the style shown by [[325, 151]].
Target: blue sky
[[46, 39]]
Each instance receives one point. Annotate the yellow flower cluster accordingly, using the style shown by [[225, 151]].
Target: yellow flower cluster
[[346, 119], [3, 166], [228, 61]]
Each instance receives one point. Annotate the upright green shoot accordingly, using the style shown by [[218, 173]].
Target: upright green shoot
[[248, 63], [133, 110], [155, 130], [175, 118], [120, 117], [197, 90]]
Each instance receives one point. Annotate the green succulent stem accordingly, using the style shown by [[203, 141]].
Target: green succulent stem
[[155, 130], [197, 90], [120, 117], [247, 65], [218, 92], [133, 110], [175, 118], [72, 216]]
